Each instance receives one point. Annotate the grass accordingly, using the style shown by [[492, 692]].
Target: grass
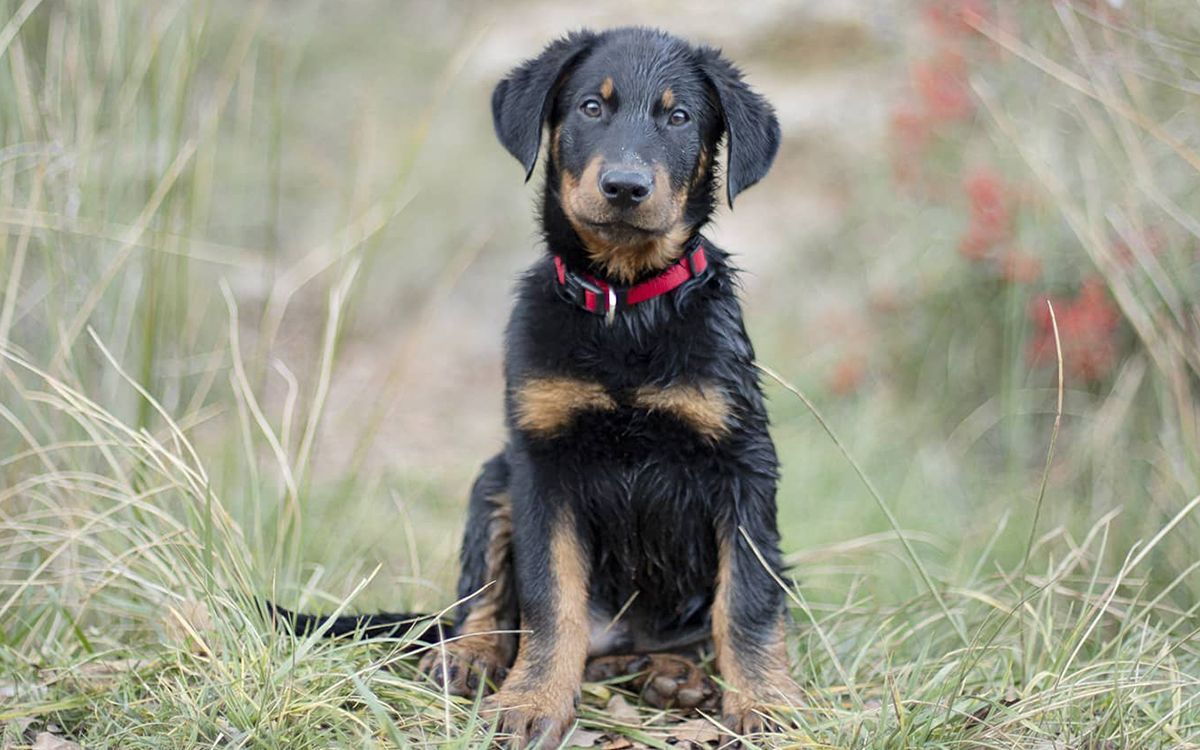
[[230, 260]]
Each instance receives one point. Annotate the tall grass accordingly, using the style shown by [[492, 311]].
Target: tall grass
[[1138, 231], [170, 345]]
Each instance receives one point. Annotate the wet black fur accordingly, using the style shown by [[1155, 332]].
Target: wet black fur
[[651, 496], [652, 499]]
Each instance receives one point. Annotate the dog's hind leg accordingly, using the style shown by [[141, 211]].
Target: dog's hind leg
[[484, 643]]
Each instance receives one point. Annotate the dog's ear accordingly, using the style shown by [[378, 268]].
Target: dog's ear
[[751, 128], [521, 102]]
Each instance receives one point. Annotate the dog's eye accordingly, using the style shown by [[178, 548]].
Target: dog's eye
[[590, 108], [679, 117]]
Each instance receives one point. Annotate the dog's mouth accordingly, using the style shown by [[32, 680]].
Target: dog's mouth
[[629, 243], [624, 229]]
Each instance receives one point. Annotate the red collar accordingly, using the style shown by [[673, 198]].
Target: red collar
[[598, 297]]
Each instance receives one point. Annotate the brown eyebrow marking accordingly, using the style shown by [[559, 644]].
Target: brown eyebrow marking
[[606, 88], [668, 98]]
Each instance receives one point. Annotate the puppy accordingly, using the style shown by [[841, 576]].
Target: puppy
[[631, 514]]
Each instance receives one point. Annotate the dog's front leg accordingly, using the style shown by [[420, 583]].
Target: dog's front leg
[[748, 613], [538, 700]]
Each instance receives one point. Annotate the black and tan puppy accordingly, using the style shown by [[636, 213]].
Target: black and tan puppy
[[631, 515], [633, 509]]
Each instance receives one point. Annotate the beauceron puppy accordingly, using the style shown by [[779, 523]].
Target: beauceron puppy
[[631, 515]]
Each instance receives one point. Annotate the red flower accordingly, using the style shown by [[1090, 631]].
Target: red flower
[[989, 199], [941, 84], [976, 244], [1087, 326], [1019, 267], [991, 215], [910, 131], [910, 128]]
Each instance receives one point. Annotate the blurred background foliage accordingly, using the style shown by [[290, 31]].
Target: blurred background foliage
[[289, 222]]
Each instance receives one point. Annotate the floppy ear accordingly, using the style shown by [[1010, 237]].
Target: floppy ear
[[521, 102], [751, 129]]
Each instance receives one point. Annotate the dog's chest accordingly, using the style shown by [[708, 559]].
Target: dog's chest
[[640, 450], [639, 431], [614, 387], [590, 415]]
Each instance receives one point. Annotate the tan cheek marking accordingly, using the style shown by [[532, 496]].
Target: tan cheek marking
[[703, 408], [591, 178], [674, 206], [607, 88], [577, 200], [575, 197], [567, 185], [662, 181], [668, 99], [701, 167], [545, 406]]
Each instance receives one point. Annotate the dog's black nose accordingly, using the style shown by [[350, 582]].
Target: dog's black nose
[[626, 187]]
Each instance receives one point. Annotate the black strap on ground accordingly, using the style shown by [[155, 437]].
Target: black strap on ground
[[429, 630]]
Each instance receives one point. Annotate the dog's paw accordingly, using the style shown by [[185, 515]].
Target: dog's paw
[[529, 717], [662, 680], [748, 721], [463, 667], [746, 715]]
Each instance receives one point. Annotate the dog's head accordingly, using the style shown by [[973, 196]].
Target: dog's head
[[635, 116]]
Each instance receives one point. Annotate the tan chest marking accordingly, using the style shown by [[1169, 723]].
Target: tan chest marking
[[704, 408], [545, 406]]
